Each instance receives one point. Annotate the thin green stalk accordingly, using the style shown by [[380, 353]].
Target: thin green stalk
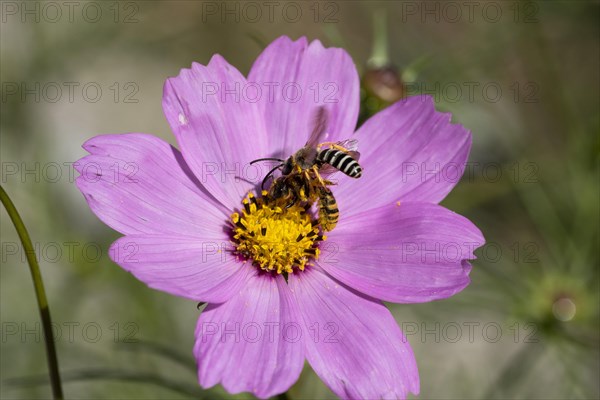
[[39, 292], [380, 55]]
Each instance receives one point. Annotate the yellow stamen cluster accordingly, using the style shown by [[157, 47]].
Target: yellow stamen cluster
[[275, 238]]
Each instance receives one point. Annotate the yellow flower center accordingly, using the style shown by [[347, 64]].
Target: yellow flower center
[[275, 238]]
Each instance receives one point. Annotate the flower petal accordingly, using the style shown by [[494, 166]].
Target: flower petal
[[252, 343], [137, 183], [409, 152], [415, 252], [219, 130], [200, 269], [296, 78], [355, 346]]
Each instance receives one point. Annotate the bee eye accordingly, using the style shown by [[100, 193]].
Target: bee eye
[[287, 168]]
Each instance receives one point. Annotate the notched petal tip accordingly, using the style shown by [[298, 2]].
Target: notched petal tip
[[467, 267], [285, 39], [92, 144], [218, 61]]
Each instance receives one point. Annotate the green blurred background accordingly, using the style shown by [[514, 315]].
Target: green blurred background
[[524, 77]]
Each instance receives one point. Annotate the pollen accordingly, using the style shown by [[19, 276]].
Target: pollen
[[276, 239]]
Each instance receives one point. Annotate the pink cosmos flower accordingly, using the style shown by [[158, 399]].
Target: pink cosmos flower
[[393, 241]]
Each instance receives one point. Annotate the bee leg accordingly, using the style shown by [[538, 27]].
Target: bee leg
[[289, 197], [307, 186], [332, 145], [325, 144], [338, 147], [294, 199], [304, 185], [317, 175]]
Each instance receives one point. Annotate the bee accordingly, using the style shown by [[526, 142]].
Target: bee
[[302, 174]]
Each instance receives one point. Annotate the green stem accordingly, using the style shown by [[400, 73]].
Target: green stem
[[39, 292], [380, 55]]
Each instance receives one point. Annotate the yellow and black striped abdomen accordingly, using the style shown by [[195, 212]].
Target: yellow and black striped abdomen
[[328, 209]]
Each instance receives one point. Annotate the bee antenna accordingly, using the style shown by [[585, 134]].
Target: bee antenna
[[262, 185], [266, 159]]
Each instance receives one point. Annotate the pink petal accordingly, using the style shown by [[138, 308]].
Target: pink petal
[[354, 343], [409, 152], [252, 343], [415, 252], [137, 183], [302, 77], [218, 129], [200, 269]]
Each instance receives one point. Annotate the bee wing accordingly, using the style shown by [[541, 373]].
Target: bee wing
[[349, 144], [327, 170], [354, 154], [319, 125]]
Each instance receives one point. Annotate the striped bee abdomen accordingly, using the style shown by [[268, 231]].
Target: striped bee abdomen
[[341, 161], [328, 209]]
